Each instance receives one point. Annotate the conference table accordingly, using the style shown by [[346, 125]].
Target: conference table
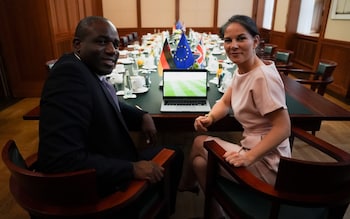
[[307, 109]]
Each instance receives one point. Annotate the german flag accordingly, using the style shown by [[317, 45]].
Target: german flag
[[166, 60]]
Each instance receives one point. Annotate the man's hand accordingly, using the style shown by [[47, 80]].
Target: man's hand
[[148, 170], [149, 129]]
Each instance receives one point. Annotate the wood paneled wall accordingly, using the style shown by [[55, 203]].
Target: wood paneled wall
[[34, 32], [307, 55], [308, 50], [65, 14], [305, 50], [24, 44], [339, 52]]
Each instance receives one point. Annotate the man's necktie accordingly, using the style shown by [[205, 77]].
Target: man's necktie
[[111, 91]]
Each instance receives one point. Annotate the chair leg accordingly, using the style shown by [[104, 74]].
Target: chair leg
[[338, 212], [209, 198], [33, 216], [163, 213], [291, 141], [275, 208]]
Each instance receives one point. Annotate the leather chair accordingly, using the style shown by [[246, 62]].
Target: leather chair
[[303, 189], [131, 38], [269, 50], [318, 80], [283, 58], [49, 64], [124, 42], [135, 36], [74, 195]]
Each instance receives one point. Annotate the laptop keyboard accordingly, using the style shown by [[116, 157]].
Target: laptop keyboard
[[185, 102]]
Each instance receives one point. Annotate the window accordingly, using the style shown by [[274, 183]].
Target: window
[[310, 17], [268, 12]]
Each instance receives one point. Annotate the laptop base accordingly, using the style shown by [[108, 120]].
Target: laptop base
[[185, 108]]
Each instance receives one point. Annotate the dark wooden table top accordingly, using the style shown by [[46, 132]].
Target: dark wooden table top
[[319, 105]]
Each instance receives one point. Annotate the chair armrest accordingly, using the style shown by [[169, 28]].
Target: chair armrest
[[280, 64], [241, 174], [246, 178], [31, 159], [321, 145], [33, 114], [314, 82], [136, 187], [297, 70], [163, 157]]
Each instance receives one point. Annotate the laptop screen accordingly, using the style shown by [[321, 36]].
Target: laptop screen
[[185, 83]]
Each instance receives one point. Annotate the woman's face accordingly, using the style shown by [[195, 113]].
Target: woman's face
[[239, 44]]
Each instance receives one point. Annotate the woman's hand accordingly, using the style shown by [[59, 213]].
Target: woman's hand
[[219, 110], [238, 158], [202, 122]]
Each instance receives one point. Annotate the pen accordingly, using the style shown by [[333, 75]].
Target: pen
[[240, 149], [138, 107], [243, 148]]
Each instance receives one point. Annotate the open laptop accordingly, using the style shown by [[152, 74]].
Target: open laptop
[[185, 90]]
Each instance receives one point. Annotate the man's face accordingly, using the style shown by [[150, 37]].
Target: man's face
[[99, 48]]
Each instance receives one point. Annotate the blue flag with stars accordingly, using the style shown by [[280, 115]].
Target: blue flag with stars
[[183, 57], [178, 25]]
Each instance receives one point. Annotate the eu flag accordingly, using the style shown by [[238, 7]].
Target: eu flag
[[183, 57], [178, 25]]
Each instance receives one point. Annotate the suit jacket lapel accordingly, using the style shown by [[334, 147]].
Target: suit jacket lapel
[[111, 101]]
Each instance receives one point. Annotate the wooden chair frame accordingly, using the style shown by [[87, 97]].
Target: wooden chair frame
[[283, 58], [300, 192], [319, 79], [73, 194], [269, 50]]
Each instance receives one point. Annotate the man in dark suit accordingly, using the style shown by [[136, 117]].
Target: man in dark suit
[[82, 125]]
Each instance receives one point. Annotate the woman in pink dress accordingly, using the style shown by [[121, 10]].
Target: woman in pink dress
[[257, 98]]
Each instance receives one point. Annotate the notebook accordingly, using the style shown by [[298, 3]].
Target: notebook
[[185, 90]]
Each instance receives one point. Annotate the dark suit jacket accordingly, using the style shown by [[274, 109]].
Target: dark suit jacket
[[81, 128]]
